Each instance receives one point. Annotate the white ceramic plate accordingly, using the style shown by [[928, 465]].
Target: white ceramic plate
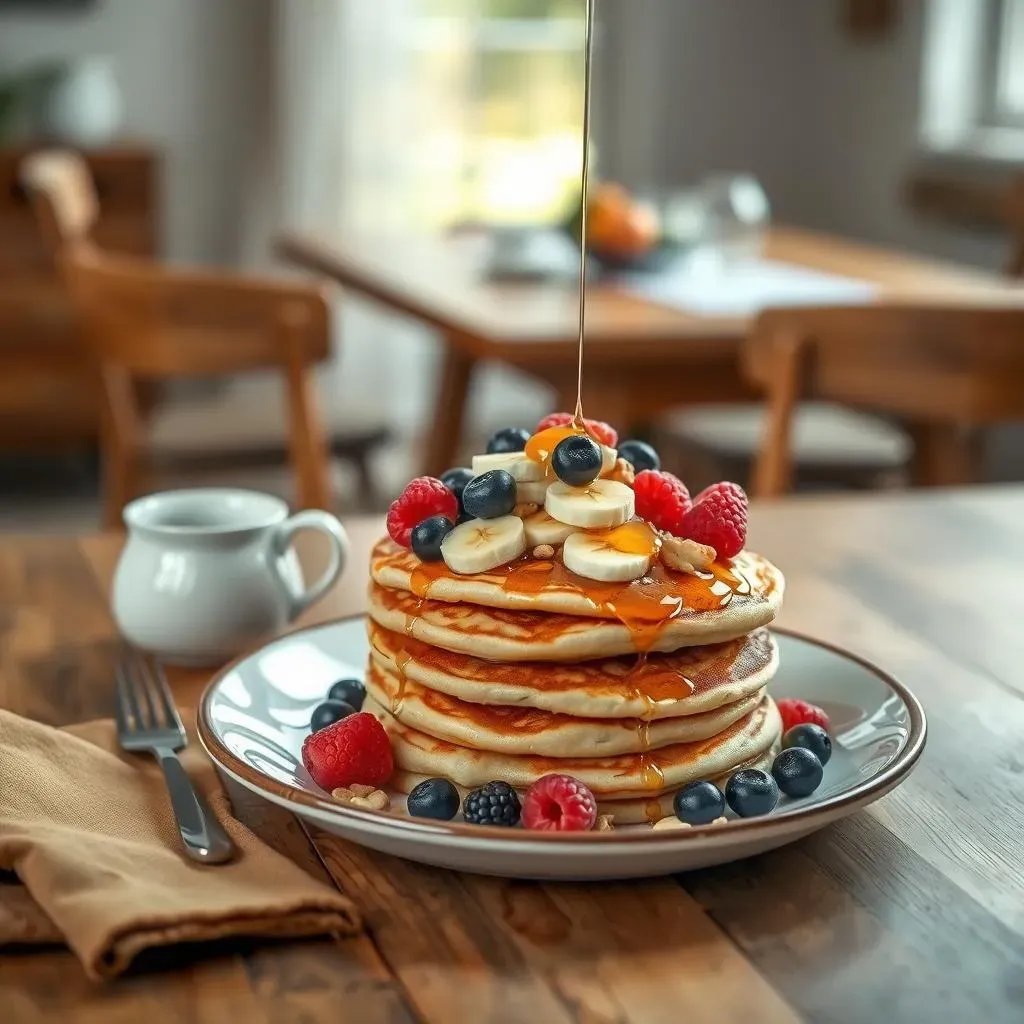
[[254, 717]]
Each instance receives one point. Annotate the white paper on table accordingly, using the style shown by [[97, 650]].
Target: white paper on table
[[745, 288]]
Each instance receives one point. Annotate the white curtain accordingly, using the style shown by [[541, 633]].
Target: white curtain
[[355, 150], [341, 141]]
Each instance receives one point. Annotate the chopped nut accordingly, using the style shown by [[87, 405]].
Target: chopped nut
[[359, 795], [525, 508], [605, 823], [543, 551], [623, 472], [668, 823], [720, 821], [685, 555]]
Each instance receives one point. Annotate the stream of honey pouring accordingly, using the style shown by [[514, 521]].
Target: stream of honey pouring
[[643, 606]]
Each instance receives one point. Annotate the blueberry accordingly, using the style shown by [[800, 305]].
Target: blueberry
[[490, 495], [797, 771], [699, 803], [811, 736], [640, 454], [350, 691], [456, 479], [328, 713], [434, 798], [511, 439], [751, 792], [427, 537], [577, 460]]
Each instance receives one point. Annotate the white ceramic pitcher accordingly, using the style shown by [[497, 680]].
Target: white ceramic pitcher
[[207, 573]]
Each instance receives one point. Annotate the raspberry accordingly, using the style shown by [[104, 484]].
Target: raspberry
[[354, 750], [559, 803], [422, 498], [796, 712], [718, 518], [661, 498], [598, 430]]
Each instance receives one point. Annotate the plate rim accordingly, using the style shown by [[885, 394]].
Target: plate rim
[[861, 793]]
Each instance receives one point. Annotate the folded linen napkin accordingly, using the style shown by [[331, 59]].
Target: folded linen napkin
[[89, 832]]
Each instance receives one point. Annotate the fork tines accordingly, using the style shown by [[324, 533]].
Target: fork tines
[[144, 702]]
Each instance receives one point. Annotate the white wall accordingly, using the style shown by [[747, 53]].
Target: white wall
[[827, 122], [194, 78]]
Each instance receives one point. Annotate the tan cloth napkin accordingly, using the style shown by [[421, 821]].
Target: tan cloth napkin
[[89, 832]]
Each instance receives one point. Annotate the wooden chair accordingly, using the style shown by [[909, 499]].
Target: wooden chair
[[944, 371], [1015, 220], [147, 323]]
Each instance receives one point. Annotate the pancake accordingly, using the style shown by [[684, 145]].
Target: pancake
[[623, 777], [685, 682], [498, 634], [634, 811], [528, 731], [733, 598]]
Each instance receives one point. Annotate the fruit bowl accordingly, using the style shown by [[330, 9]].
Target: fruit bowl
[[625, 235]]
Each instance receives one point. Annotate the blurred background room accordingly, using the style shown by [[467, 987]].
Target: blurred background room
[[340, 233]]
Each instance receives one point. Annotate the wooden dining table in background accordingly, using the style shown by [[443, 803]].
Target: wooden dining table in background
[[912, 910], [641, 357]]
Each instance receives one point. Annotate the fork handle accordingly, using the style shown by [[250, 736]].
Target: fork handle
[[205, 841]]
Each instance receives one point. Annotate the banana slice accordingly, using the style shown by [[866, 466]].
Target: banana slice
[[483, 544], [542, 529], [522, 468], [532, 491], [600, 504], [609, 456], [590, 555]]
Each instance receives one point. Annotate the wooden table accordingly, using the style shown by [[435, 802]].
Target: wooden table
[[912, 910], [641, 358]]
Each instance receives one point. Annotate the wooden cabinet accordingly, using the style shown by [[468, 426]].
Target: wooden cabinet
[[47, 395]]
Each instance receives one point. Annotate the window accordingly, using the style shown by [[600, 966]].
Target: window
[[973, 85], [1008, 95], [502, 83]]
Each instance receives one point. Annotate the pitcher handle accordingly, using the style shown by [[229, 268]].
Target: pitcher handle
[[325, 523]]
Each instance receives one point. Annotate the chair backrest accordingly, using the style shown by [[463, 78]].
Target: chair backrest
[[63, 195], [154, 323], [959, 365]]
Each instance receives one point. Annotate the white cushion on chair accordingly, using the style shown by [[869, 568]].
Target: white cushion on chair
[[245, 414], [823, 434]]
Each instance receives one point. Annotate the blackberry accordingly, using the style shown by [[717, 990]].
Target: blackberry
[[493, 804]]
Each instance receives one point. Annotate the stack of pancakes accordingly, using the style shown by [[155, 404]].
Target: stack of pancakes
[[635, 688]]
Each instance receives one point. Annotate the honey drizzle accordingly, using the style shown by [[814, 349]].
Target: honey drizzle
[[420, 581], [588, 73]]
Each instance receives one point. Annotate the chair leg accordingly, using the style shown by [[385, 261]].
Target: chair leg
[[120, 483], [121, 476], [307, 440], [367, 483], [773, 470], [945, 455]]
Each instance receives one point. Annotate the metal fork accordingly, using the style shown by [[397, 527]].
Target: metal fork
[[147, 721]]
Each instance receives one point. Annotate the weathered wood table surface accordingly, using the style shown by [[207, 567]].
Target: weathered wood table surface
[[910, 911]]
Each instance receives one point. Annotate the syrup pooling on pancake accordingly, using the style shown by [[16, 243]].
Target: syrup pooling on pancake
[[687, 681], [497, 633], [527, 730], [618, 777], [644, 606]]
